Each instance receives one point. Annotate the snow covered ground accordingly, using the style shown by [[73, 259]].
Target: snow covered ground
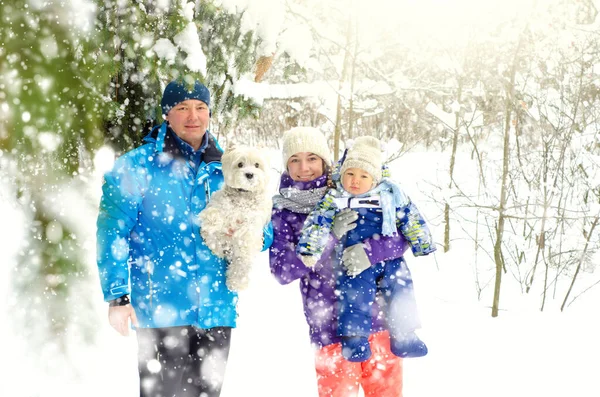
[[521, 353]]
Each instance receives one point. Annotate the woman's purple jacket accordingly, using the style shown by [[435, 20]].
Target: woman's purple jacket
[[318, 284]]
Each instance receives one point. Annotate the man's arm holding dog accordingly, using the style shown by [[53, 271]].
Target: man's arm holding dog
[[267, 236]]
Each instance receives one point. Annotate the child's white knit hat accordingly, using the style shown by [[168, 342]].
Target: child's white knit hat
[[365, 153], [305, 139]]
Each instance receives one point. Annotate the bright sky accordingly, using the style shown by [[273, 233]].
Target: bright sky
[[446, 21]]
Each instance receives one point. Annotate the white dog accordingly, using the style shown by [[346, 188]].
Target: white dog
[[232, 223]]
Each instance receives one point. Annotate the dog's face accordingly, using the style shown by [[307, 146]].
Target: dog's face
[[245, 168]]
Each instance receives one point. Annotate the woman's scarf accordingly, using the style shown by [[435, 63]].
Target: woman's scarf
[[297, 200]]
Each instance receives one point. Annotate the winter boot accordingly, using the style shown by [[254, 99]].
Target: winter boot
[[408, 345], [356, 348]]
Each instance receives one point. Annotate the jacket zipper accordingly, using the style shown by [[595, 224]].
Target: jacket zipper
[[150, 286]]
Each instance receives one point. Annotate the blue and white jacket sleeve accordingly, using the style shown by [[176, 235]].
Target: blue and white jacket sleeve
[[122, 194], [317, 228], [413, 227]]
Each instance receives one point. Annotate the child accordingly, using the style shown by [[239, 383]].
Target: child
[[382, 208]]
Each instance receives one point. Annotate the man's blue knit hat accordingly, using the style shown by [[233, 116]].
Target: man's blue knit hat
[[177, 91]]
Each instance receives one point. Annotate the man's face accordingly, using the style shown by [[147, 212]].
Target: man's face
[[189, 120]]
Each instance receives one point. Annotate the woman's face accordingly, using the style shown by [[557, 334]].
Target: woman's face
[[305, 166]]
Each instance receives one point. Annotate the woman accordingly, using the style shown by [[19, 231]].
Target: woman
[[303, 184]]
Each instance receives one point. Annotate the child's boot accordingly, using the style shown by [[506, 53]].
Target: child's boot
[[408, 345], [356, 348]]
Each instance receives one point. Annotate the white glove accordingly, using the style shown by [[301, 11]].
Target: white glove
[[355, 260], [344, 222]]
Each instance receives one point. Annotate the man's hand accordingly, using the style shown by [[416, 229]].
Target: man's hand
[[355, 260], [344, 222], [119, 316]]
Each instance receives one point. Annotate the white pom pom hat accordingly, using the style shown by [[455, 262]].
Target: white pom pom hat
[[365, 152], [305, 139]]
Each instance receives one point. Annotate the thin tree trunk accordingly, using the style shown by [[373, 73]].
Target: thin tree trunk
[[477, 283], [581, 260], [452, 164], [498, 258], [338, 113], [501, 217], [352, 78], [541, 241], [546, 271]]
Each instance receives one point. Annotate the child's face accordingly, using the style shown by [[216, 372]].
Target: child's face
[[357, 181]]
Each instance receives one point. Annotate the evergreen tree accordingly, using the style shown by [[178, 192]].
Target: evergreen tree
[[72, 80], [151, 45], [51, 82]]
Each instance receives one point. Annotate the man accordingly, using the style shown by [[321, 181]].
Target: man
[[155, 269]]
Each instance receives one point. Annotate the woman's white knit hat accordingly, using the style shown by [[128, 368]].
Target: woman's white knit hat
[[365, 153], [305, 139]]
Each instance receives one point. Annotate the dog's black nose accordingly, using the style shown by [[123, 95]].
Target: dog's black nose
[[249, 175]]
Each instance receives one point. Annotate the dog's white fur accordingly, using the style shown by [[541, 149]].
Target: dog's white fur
[[232, 223]]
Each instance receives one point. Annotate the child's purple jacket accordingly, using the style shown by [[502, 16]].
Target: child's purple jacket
[[318, 284]]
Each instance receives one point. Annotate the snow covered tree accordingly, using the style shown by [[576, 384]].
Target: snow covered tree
[[152, 43], [50, 95], [74, 76]]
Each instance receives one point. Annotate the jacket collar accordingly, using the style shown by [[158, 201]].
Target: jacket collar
[[165, 140]]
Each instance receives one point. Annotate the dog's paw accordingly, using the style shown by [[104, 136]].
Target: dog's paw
[[216, 246], [237, 284], [237, 275]]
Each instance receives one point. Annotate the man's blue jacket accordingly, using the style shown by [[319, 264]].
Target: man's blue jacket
[[149, 242]]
